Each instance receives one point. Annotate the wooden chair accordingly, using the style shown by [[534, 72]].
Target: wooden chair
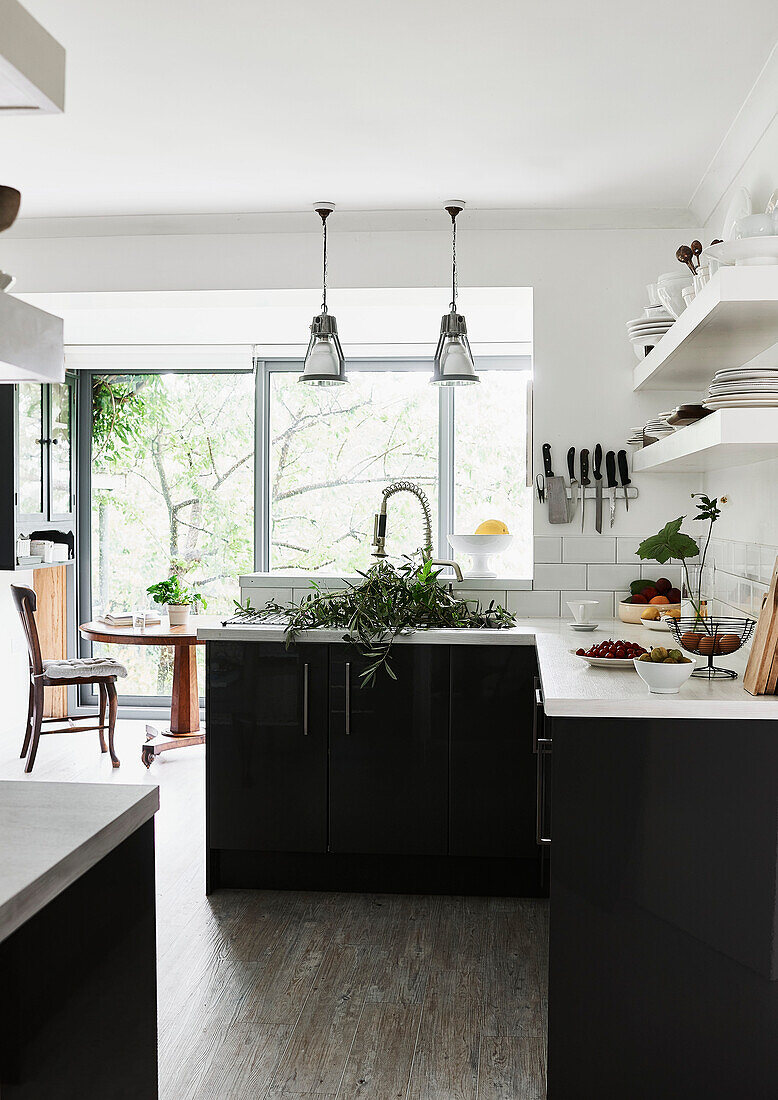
[[90, 670]]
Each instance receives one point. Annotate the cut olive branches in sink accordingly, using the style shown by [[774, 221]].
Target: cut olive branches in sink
[[386, 604]]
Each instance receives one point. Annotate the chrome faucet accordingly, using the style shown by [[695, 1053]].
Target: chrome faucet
[[379, 525]]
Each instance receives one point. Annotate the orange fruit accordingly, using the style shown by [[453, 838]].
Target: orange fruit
[[691, 641], [659, 600], [728, 643]]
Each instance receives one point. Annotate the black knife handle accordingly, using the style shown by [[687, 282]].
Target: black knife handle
[[547, 460], [624, 468], [571, 463], [597, 463], [610, 469], [584, 466]]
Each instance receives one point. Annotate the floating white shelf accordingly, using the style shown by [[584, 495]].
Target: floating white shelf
[[729, 437], [732, 319]]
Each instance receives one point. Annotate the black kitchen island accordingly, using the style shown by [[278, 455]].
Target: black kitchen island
[[423, 783], [78, 967]]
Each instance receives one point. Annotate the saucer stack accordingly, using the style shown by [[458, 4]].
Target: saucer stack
[[658, 428], [646, 331], [743, 388]]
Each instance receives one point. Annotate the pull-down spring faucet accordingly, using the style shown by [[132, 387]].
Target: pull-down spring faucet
[[379, 525]]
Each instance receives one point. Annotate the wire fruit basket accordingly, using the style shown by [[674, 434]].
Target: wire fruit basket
[[711, 636]]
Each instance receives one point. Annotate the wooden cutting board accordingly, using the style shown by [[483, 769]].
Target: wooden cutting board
[[761, 676]]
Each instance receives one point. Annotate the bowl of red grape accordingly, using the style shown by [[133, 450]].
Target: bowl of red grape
[[611, 654]]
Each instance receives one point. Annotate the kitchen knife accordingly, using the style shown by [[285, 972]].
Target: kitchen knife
[[584, 482], [598, 479], [610, 471], [556, 490], [573, 482], [624, 475]]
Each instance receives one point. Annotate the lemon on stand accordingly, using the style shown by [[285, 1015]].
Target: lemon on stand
[[492, 527]]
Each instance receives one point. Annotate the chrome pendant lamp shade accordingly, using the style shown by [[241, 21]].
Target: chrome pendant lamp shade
[[325, 364], [454, 364]]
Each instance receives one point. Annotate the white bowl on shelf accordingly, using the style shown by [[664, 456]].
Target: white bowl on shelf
[[480, 549]]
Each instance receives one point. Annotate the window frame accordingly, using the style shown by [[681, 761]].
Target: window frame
[[265, 368]]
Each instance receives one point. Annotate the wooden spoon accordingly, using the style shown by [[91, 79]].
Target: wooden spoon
[[10, 199], [684, 255], [696, 247]]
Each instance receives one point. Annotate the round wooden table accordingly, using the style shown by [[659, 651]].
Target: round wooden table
[[185, 704]]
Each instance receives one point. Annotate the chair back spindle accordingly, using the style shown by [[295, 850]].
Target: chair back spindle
[[26, 604]]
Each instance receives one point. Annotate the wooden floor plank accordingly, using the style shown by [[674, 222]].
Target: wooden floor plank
[[445, 1065], [379, 1065], [316, 1056], [511, 1067]]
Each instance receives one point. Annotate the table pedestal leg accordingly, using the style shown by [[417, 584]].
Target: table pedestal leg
[[185, 709], [184, 712]]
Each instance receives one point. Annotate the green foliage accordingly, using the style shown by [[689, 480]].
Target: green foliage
[[174, 591], [669, 543], [388, 603], [117, 418], [708, 509]]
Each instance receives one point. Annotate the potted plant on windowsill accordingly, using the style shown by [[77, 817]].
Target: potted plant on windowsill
[[177, 598]]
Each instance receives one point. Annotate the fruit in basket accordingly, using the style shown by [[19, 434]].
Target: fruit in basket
[[651, 614], [729, 643], [673, 595], [672, 613], [691, 641], [639, 599], [709, 645], [663, 586], [658, 653], [661, 656], [663, 600]]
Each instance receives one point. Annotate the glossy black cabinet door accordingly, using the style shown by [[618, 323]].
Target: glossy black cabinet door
[[389, 754], [493, 767], [266, 749]]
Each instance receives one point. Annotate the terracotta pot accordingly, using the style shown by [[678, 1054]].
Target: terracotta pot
[[178, 614]]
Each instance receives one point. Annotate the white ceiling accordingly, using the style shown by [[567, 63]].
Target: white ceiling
[[176, 106]]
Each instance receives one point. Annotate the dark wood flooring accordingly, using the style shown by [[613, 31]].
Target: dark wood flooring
[[286, 995]]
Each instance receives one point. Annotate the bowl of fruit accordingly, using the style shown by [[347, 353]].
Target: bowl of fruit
[[664, 671], [645, 593], [610, 654]]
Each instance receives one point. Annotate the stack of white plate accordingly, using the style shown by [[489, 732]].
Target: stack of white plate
[[743, 387], [658, 427], [645, 332], [635, 438]]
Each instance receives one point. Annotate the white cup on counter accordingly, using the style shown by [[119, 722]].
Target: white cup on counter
[[582, 610]]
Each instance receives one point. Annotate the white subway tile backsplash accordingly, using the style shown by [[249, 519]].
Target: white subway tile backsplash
[[602, 577], [604, 609], [550, 577], [652, 570], [627, 549], [529, 605], [753, 561], [484, 597], [767, 555], [585, 550], [548, 549]]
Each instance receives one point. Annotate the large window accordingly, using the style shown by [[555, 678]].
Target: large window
[[212, 475], [331, 450], [172, 478]]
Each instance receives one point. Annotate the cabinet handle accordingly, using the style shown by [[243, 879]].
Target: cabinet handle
[[536, 712], [348, 698], [305, 700], [540, 792]]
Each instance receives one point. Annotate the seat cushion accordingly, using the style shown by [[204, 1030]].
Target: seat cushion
[[80, 667]]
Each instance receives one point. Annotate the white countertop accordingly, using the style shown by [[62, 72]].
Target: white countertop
[[52, 833], [571, 687]]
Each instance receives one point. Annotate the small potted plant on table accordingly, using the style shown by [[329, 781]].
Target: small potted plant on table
[[177, 598]]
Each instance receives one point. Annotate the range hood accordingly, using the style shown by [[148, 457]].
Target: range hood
[[31, 343], [32, 64]]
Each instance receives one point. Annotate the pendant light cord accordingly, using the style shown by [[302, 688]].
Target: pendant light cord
[[453, 263], [324, 267]]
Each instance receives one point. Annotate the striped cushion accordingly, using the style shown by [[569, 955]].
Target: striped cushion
[[80, 667]]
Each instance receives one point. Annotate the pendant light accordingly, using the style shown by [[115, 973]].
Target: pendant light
[[454, 364], [325, 363]]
